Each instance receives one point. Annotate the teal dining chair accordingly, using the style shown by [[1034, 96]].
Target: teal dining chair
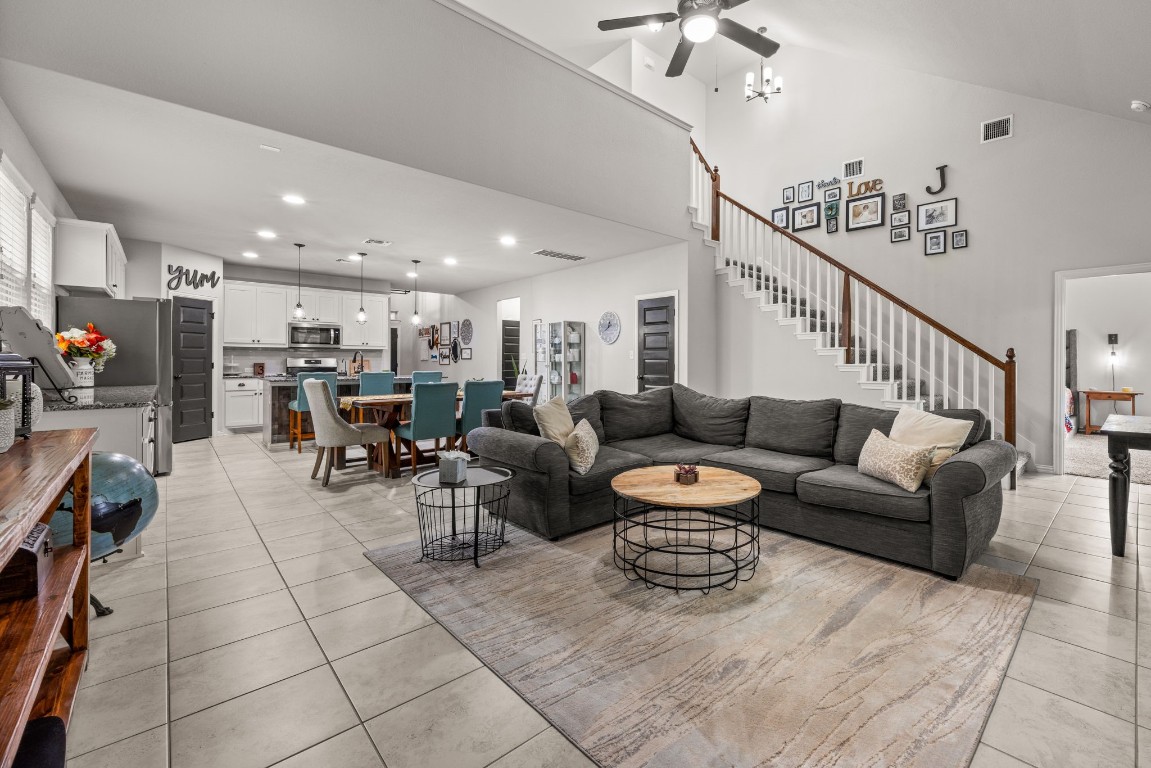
[[433, 418], [479, 396], [426, 377], [374, 383], [298, 407]]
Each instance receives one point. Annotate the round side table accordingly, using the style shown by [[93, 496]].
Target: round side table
[[465, 520]]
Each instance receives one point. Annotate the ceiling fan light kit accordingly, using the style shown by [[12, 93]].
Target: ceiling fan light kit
[[769, 85]]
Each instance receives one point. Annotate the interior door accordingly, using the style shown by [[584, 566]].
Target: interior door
[[191, 369], [656, 342]]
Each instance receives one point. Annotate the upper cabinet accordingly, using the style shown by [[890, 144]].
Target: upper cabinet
[[254, 315], [89, 257], [320, 306], [374, 333], [258, 314]]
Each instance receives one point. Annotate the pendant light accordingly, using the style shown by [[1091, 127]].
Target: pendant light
[[298, 312], [361, 316], [416, 292]]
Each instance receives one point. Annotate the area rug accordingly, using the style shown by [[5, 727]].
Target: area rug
[[1086, 456], [824, 658]]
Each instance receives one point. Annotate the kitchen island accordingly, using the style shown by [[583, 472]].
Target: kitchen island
[[279, 390]]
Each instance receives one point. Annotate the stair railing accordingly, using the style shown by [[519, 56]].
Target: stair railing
[[900, 348]]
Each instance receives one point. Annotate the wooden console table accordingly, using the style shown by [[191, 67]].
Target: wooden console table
[[1104, 394], [1123, 434], [35, 679]]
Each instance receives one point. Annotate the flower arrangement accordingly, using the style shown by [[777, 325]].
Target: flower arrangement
[[686, 474], [88, 343]]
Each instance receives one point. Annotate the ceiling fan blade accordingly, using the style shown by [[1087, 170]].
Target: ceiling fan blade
[[729, 4], [764, 46], [637, 21], [679, 58]]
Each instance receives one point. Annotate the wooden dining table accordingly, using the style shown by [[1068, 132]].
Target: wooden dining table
[[387, 410]]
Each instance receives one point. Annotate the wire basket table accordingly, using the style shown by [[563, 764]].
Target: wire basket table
[[465, 520]]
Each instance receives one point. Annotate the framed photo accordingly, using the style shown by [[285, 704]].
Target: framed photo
[[935, 243], [466, 353], [789, 194], [899, 202], [831, 210], [780, 217], [455, 329], [445, 356], [865, 212], [900, 218], [806, 191], [959, 239], [445, 334], [831, 195], [805, 217], [901, 234], [832, 225], [937, 214], [425, 332]]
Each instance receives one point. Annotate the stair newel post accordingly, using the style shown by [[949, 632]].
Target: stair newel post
[[715, 204], [845, 339], [1009, 404]]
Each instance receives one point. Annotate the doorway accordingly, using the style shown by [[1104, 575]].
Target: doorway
[[394, 348], [508, 321], [191, 369], [655, 341]]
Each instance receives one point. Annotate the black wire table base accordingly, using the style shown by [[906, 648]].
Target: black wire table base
[[686, 549], [462, 523]]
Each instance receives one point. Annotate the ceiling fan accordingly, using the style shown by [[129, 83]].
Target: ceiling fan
[[698, 22]]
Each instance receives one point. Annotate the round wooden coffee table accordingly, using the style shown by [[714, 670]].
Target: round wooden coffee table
[[686, 537]]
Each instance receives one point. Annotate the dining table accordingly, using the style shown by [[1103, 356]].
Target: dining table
[[1124, 433]]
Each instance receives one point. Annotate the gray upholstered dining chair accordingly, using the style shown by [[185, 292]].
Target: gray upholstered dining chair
[[529, 383], [332, 432]]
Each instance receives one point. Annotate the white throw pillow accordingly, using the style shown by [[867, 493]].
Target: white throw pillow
[[913, 427], [902, 465], [554, 420], [582, 446]]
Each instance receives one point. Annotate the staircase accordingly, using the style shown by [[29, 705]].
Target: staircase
[[912, 359]]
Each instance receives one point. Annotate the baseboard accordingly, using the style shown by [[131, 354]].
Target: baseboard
[[1044, 469]]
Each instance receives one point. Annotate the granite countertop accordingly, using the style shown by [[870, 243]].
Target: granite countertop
[[283, 378], [102, 397]]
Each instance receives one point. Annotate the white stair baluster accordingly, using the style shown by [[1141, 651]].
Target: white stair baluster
[[991, 396], [905, 364], [931, 369], [961, 352], [918, 363], [975, 378]]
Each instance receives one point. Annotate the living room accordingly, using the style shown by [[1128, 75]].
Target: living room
[[249, 628]]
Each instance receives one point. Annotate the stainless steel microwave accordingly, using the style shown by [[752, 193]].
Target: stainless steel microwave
[[314, 336]]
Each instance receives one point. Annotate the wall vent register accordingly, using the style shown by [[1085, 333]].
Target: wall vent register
[[853, 168], [558, 255], [994, 130]]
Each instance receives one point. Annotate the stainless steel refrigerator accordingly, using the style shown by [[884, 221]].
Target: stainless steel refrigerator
[[142, 331]]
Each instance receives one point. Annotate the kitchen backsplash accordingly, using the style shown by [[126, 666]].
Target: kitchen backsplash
[[274, 359]]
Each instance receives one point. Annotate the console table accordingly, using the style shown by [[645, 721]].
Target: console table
[[1104, 394], [1123, 434]]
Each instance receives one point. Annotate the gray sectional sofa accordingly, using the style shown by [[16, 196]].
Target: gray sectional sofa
[[803, 453]]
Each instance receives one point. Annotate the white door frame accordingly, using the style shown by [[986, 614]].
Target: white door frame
[[680, 362], [1060, 346]]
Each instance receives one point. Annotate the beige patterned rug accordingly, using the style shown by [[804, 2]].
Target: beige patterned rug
[[824, 658]]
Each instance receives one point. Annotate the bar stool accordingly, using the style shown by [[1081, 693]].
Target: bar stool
[[298, 407]]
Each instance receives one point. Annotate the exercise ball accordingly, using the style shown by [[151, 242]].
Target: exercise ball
[[124, 502]]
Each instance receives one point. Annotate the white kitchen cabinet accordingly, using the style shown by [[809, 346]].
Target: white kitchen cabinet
[[271, 304], [320, 306], [243, 403], [254, 315], [374, 333], [89, 257], [239, 313]]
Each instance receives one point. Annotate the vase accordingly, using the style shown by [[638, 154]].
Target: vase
[[7, 428], [82, 371], [686, 478]]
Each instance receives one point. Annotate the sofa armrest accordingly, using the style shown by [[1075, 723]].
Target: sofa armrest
[[539, 499], [976, 469], [518, 449], [492, 417], [966, 502]]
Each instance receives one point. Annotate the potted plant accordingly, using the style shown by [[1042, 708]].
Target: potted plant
[[686, 474], [87, 351], [7, 424]]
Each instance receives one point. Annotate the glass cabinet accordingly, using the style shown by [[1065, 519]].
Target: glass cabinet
[[564, 371]]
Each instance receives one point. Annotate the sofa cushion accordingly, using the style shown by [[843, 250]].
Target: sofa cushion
[[843, 487], [626, 417], [587, 407], [915, 427], [554, 420], [715, 420], [799, 427], [518, 416], [609, 462], [855, 425], [980, 430], [775, 471], [670, 448]]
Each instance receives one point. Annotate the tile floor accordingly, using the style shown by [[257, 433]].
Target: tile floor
[[253, 632]]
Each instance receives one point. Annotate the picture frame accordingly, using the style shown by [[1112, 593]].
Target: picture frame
[[899, 202], [865, 212], [901, 234], [805, 217], [466, 353], [781, 217], [445, 334], [900, 218], [959, 239], [455, 326], [789, 194], [832, 226], [831, 210], [832, 194], [935, 242], [806, 191], [445, 356], [938, 214]]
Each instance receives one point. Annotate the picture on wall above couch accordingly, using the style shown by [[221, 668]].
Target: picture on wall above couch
[[779, 217], [935, 243], [900, 218], [959, 239], [937, 214], [899, 202], [832, 226], [831, 195], [805, 217], [901, 234], [806, 191], [789, 194], [865, 212]]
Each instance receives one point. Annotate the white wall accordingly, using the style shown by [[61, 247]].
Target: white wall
[[616, 67], [1059, 195], [1097, 306], [142, 272], [15, 146]]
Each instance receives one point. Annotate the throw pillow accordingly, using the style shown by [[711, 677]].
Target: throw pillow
[[941, 455], [554, 421], [902, 465], [587, 407], [581, 447], [913, 427]]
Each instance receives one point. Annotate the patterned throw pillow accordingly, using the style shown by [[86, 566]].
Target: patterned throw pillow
[[903, 465], [581, 446]]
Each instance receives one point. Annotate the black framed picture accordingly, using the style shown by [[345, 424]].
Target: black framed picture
[[934, 242], [831, 210], [831, 195], [832, 225], [900, 218], [899, 202], [901, 235], [937, 214], [780, 218], [445, 334], [466, 353], [445, 356], [806, 191], [789, 194], [959, 239], [805, 217], [865, 212]]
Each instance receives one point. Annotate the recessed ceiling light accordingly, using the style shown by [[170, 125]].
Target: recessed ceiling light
[[293, 200], [355, 257], [1140, 106], [251, 255], [267, 234], [451, 261], [412, 274], [507, 240], [269, 148]]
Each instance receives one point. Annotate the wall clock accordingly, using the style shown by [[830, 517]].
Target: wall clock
[[609, 327]]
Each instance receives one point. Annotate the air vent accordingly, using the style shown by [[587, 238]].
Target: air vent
[[373, 241], [994, 130], [558, 255], [853, 168]]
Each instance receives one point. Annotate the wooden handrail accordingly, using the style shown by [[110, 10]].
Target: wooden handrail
[[695, 149]]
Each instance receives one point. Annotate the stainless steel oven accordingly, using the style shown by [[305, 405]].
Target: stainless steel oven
[[314, 336]]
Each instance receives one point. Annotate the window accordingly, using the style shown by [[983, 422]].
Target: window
[[13, 239], [42, 296]]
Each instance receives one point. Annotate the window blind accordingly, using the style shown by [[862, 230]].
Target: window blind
[[13, 243], [43, 297]]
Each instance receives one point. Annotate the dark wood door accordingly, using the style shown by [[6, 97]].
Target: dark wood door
[[191, 369], [394, 359], [656, 325]]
